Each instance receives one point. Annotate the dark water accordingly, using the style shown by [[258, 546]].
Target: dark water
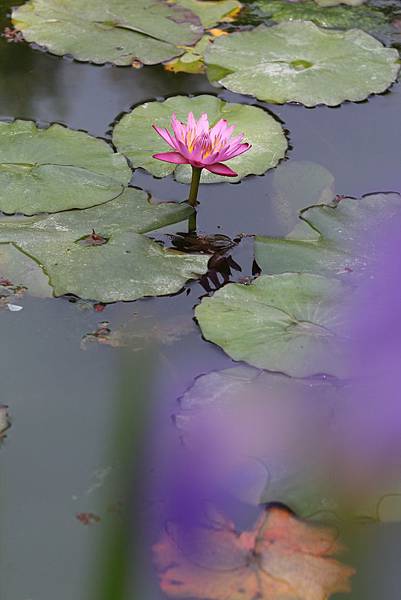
[[62, 398]]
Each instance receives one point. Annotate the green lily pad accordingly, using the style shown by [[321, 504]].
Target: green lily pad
[[299, 62], [336, 17], [211, 12], [55, 169], [115, 31], [125, 265], [287, 323], [192, 61], [21, 270], [135, 137], [335, 240], [296, 184]]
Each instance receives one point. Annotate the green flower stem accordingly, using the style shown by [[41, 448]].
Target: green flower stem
[[193, 195]]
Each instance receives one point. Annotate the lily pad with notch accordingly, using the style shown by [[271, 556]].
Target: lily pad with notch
[[338, 239], [290, 323], [299, 62], [56, 169], [115, 31], [134, 136], [126, 265]]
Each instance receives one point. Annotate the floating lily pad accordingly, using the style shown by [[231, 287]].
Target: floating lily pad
[[296, 184], [288, 323], [192, 61], [335, 240], [118, 263], [135, 138], [20, 270], [299, 62], [336, 17], [55, 169], [211, 12], [116, 31]]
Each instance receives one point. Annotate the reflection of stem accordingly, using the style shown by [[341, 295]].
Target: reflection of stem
[[193, 195]]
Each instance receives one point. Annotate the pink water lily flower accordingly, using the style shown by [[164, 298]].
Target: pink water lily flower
[[196, 144]]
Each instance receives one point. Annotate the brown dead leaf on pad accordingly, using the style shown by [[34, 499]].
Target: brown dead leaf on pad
[[281, 558]]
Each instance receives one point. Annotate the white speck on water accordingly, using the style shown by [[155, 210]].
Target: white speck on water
[[14, 307]]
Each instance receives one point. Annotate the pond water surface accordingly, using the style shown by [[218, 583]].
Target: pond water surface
[[63, 398]]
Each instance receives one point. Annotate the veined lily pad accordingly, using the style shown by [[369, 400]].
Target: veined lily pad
[[336, 17], [135, 137], [288, 323], [337, 239], [211, 12], [120, 263], [299, 62], [55, 169], [116, 31], [20, 270]]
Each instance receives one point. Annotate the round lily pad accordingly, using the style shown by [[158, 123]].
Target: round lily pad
[[286, 323], [55, 169], [135, 137], [120, 32], [100, 253], [336, 240], [336, 17], [211, 12], [300, 62]]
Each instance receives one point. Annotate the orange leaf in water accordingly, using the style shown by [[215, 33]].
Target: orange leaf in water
[[281, 558]]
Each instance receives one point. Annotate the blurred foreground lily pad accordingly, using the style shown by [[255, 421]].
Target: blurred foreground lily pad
[[336, 240], [299, 62], [101, 254], [56, 169], [289, 323], [116, 31], [135, 137]]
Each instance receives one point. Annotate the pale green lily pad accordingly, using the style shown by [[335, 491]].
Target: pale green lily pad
[[21, 270], [55, 169], [336, 17], [336, 240], [135, 137], [288, 323], [192, 61], [296, 184], [115, 31], [128, 266], [299, 62], [211, 12]]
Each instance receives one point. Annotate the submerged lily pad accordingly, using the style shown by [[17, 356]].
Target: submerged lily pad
[[55, 169], [117, 262], [336, 239], [135, 137], [287, 323], [299, 62], [336, 17], [211, 12], [117, 31]]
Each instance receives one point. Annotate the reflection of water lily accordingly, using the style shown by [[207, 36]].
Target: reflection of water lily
[[199, 145], [203, 147]]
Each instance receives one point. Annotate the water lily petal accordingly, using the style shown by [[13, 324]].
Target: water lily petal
[[220, 169], [171, 157], [236, 151], [166, 135]]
